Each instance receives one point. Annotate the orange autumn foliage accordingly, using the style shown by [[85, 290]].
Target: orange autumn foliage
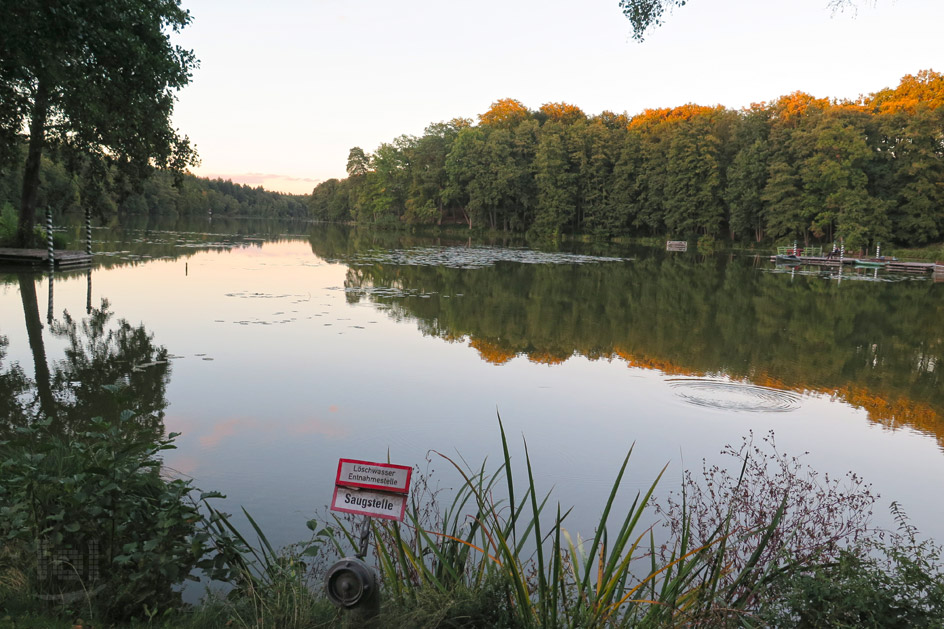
[[645, 362], [790, 108], [654, 117], [505, 111], [491, 352], [925, 89], [547, 358]]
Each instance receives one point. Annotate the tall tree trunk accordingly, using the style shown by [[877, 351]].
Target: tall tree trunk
[[24, 232], [34, 330]]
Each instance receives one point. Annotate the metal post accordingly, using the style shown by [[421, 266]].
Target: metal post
[[49, 247], [88, 231], [842, 256], [49, 307]]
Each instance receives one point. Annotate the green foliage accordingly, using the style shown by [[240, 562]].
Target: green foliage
[[97, 82], [799, 167], [271, 588], [103, 529], [8, 221], [897, 584], [161, 194]]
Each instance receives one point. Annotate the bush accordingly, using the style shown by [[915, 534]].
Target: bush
[[104, 530], [898, 584], [775, 515]]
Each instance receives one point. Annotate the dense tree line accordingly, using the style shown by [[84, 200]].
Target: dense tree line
[[797, 168], [68, 187]]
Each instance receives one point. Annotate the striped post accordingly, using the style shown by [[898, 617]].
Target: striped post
[[88, 294], [88, 231], [49, 307], [794, 247], [878, 250], [49, 248]]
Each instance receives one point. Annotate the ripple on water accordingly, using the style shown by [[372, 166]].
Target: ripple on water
[[734, 396]]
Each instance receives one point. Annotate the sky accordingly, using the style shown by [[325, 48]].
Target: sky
[[286, 88]]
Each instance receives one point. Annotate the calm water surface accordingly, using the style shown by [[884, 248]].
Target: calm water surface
[[277, 349]]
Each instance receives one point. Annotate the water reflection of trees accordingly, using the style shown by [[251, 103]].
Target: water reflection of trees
[[109, 366], [872, 344]]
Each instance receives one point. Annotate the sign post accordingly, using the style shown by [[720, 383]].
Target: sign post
[[374, 490], [377, 490]]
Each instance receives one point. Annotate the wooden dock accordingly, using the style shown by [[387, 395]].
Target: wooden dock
[[40, 258], [891, 265]]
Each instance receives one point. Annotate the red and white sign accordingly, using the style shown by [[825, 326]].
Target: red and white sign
[[379, 476], [376, 504]]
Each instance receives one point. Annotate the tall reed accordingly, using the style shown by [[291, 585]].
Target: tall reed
[[517, 547]]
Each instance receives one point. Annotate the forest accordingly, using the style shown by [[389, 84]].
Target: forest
[[68, 185], [799, 167]]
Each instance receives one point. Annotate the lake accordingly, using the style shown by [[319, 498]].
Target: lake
[[275, 349]]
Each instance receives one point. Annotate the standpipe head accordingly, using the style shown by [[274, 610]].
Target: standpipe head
[[350, 583]]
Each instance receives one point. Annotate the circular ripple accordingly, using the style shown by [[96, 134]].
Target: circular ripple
[[734, 396]]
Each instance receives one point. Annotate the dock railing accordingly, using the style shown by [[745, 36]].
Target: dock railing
[[809, 251]]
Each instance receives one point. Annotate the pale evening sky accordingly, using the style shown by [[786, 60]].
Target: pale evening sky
[[285, 88]]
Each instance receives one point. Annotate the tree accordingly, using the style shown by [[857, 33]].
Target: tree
[[557, 180], [644, 14], [505, 112], [95, 79], [357, 162]]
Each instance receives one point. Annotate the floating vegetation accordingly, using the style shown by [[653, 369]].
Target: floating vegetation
[[469, 257], [386, 291], [143, 366], [257, 295], [734, 396]]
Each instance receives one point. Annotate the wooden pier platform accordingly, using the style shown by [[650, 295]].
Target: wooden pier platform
[[40, 258], [896, 265]]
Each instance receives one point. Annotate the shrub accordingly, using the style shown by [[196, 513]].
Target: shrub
[[895, 584], [816, 518], [104, 529]]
